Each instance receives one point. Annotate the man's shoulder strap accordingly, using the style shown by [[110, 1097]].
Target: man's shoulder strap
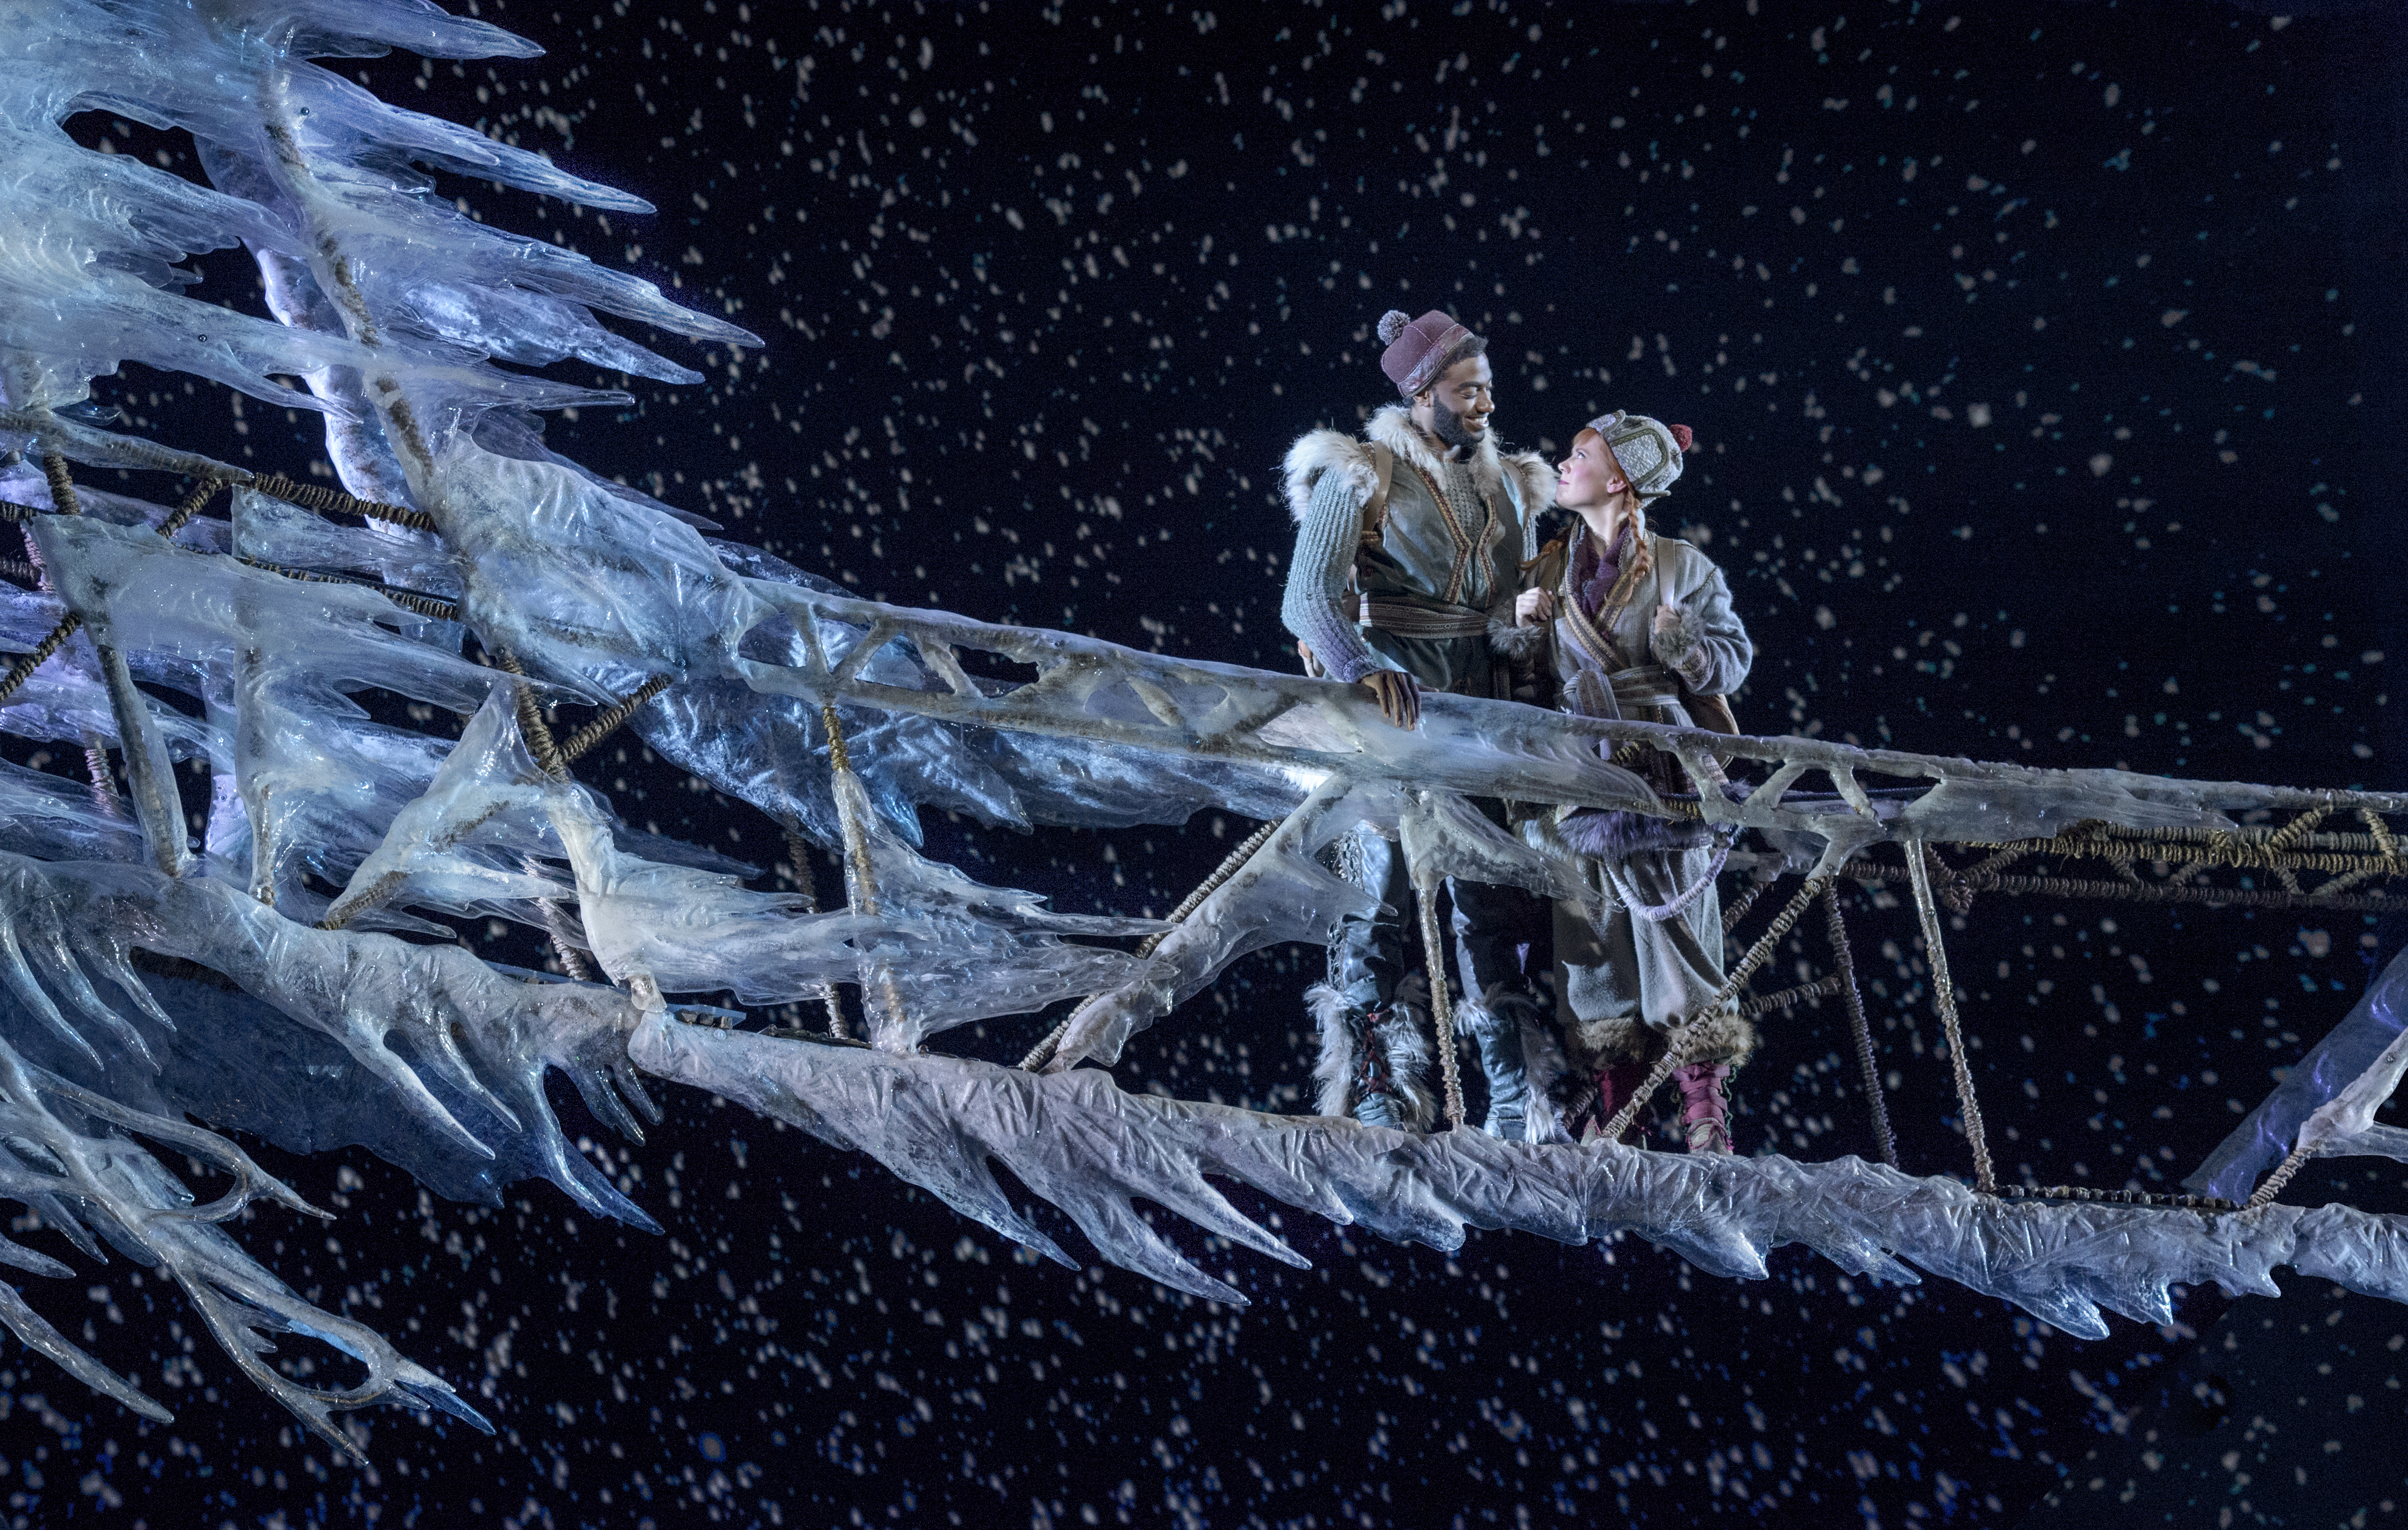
[[1375, 509]]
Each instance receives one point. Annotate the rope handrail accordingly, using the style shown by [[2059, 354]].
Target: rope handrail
[[1943, 994]]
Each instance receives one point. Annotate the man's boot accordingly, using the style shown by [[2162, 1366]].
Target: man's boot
[[1705, 1108], [1496, 1028], [1363, 1054]]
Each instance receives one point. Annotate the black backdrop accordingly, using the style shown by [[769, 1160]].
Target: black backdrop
[[2043, 363]]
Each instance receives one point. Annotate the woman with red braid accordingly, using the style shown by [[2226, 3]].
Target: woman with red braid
[[1641, 628]]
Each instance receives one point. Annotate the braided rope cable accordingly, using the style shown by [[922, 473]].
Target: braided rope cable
[[1943, 992], [1043, 1052], [63, 492], [862, 884], [580, 744], [203, 492], [2264, 1194], [24, 669], [1757, 957], [2057, 887], [800, 849], [1737, 908], [1845, 962], [1450, 1067], [335, 503], [1828, 983]]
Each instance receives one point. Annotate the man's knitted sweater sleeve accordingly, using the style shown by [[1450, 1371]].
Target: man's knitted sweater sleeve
[[1313, 607]]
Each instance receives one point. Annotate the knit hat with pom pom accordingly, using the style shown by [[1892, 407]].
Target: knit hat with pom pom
[[1649, 452], [1416, 348]]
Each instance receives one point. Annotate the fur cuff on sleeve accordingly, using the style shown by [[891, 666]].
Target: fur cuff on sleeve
[[1680, 648], [1515, 643]]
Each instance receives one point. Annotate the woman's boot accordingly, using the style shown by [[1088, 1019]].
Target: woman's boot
[[1705, 1108]]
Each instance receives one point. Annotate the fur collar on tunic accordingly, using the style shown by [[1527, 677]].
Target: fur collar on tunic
[[1319, 452]]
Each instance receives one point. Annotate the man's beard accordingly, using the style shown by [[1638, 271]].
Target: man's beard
[[1450, 428]]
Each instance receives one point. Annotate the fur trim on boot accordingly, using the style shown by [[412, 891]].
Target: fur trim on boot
[[1726, 1038], [1555, 1089], [1403, 1034], [1593, 1044], [1349, 1038], [1333, 1071]]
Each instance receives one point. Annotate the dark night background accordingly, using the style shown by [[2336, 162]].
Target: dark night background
[[2044, 360]]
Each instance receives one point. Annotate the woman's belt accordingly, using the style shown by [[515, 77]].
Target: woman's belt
[[1644, 686], [1412, 619]]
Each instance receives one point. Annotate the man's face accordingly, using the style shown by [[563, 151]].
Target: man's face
[[1460, 402]]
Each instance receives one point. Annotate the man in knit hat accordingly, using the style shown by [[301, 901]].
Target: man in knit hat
[[1407, 555]]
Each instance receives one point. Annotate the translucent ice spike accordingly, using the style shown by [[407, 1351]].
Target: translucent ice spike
[[437, 1059], [63, 1159], [2343, 1126], [2347, 1052], [1075, 1139], [139, 592], [276, 532], [51, 818]]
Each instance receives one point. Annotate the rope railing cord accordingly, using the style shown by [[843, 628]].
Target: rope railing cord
[[203, 492], [1737, 908], [530, 715], [1845, 964], [604, 723], [433, 607], [2384, 842], [860, 884], [334, 501], [24, 669], [1943, 994], [1829, 983], [1736, 979], [800, 849], [1043, 1052], [573, 958], [2264, 1194], [63, 491], [2056, 886], [1450, 1067]]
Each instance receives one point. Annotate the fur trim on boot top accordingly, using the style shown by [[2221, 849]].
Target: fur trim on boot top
[[1404, 1035], [1593, 1043], [1333, 1071], [1727, 1038]]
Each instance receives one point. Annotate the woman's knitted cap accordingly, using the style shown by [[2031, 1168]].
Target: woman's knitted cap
[[1416, 347], [1648, 451]]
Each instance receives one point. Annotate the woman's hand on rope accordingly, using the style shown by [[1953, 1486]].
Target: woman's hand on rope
[[1533, 607], [1399, 697], [1668, 616]]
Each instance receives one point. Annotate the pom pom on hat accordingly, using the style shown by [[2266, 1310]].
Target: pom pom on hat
[[1392, 324], [1682, 436]]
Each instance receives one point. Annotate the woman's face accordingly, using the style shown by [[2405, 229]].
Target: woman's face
[[1589, 477]]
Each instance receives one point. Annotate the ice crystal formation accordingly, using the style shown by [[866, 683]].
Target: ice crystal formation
[[283, 971]]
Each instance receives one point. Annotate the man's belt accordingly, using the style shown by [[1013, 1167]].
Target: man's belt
[[1406, 619]]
